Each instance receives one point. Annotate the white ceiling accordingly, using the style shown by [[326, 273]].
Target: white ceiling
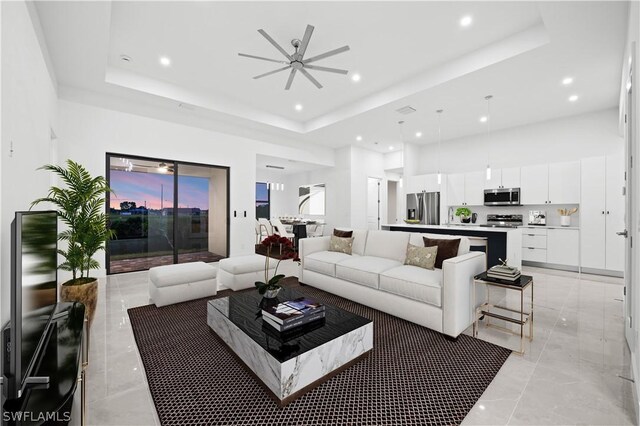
[[408, 53], [288, 166]]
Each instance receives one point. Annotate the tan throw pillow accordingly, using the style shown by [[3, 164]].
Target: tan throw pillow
[[341, 245], [423, 257], [447, 248]]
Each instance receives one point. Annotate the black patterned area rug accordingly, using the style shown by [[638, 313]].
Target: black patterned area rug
[[413, 376]]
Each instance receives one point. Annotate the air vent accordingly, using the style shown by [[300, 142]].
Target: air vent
[[269, 166], [406, 110]]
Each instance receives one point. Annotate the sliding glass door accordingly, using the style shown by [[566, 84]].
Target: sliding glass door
[[165, 212]]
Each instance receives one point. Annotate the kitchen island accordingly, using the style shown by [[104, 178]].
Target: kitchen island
[[502, 243]]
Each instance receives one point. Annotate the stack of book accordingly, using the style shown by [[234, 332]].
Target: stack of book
[[504, 272], [293, 313]]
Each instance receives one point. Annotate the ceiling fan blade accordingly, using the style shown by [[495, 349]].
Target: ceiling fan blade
[[263, 59], [276, 45], [271, 72], [290, 79], [305, 41], [310, 77], [335, 70], [327, 54]]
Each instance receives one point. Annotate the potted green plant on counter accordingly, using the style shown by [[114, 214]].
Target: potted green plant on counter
[[80, 206], [464, 213]]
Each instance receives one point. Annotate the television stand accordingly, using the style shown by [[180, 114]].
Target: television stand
[[63, 360]]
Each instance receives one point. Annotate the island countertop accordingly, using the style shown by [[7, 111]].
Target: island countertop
[[453, 226], [499, 243]]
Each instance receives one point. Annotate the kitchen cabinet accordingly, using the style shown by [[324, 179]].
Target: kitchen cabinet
[[602, 213], [564, 183], [474, 188], [420, 183], [503, 178], [510, 177], [465, 189], [534, 245], [563, 247], [534, 184], [614, 213], [455, 189], [555, 183]]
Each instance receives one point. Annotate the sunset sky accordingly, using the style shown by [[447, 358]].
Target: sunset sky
[[141, 187]]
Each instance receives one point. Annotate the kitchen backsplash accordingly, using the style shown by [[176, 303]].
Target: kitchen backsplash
[[553, 217]]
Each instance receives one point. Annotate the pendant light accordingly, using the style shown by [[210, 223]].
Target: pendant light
[[400, 123], [488, 99], [439, 144]]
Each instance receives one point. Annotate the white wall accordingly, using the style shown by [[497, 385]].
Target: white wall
[[87, 133], [566, 139], [28, 116]]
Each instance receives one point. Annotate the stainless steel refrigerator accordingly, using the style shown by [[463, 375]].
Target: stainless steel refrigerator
[[425, 207]]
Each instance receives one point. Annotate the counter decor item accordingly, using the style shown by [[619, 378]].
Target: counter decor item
[[565, 216], [538, 217], [464, 214]]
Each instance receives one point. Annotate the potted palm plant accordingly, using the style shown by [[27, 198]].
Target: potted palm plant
[[80, 206]]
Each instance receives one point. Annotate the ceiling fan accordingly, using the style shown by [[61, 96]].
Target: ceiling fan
[[296, 61], [160, 168]]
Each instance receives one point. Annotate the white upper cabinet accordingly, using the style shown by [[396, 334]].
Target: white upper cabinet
[[420, 183], [455, 189], [534, 184], [510, 177], [503, 178], [474, 184], [495, 181], [564, 183]]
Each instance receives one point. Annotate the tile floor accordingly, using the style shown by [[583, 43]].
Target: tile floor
[[568, 375]]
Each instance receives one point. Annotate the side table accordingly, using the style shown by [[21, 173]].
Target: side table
[[513, 316]]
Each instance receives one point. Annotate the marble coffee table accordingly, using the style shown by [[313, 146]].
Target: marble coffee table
[[294, 362]]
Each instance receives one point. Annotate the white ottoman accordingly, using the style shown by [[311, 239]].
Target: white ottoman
[[240, 272], [178, 283]]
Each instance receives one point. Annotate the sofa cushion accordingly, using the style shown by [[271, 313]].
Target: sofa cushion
[[324, 262], [463, 248], [388, 245], [364, 270], [447, 248], [414, 283], [422, 257], [341, 245], [359, 240]]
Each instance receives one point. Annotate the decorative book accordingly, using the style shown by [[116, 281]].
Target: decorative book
[[299, 321], [292, 310]]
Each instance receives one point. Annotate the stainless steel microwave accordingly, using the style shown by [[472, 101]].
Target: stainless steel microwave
[[502, 197]]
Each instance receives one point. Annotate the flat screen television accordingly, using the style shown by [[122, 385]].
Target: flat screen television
[[34, 277]]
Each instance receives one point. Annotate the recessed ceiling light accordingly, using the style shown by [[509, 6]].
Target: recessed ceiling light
[[390, 148], [165, 61], [483, 119], [358, 138], [465, 21], [418, 134], [573, 98], [298, 107], [355, 77], [567, 81]]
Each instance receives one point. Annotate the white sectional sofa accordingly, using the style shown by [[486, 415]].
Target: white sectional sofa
[[375, 275]]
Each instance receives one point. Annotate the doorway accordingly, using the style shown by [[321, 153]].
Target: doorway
[[165, 212], [630, 220], [392, 201], [373, 203]]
